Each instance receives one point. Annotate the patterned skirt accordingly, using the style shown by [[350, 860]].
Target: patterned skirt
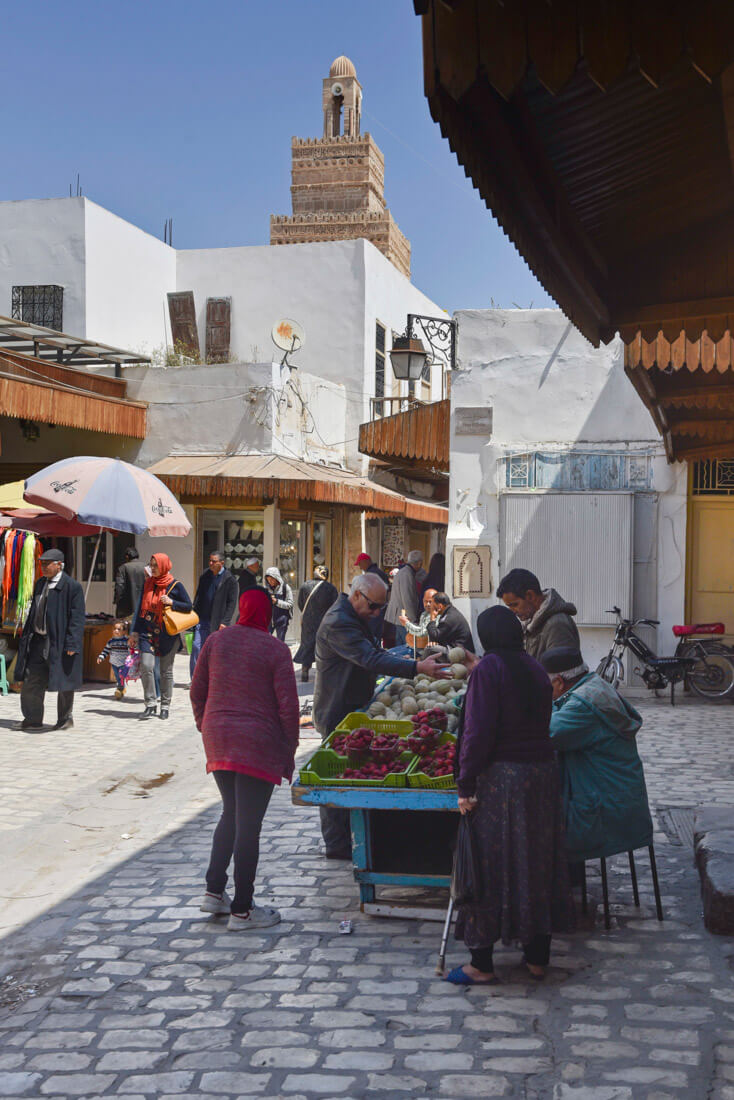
[[518, 830]]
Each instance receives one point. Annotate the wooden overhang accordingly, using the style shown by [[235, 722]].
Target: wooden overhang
[[688, 387], [269, 477], [48, 393], [601, 137], [413, 443]]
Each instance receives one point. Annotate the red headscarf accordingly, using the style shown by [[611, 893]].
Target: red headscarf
[[256, 609], [155, 587]]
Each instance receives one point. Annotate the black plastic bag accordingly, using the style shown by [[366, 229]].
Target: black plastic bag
[[467, 887]]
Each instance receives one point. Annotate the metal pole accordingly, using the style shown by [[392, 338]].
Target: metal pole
[[445, 938], [94, 562]]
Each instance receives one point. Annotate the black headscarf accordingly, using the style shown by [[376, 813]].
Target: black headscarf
[[436, 577], [500, 632]]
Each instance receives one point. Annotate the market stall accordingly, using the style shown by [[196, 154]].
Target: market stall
[[392, 768]]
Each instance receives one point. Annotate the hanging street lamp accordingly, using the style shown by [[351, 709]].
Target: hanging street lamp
[[409, 355]]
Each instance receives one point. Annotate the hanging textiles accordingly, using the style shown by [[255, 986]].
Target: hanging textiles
[[21, 568]]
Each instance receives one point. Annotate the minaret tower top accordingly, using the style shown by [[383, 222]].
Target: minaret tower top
[[342, 100]]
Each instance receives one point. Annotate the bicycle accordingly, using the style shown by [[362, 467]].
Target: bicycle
[[704, 666]]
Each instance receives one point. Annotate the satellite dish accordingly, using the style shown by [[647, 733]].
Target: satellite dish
[[288, 335]]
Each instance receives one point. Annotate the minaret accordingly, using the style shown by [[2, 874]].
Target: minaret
[[338, 181]]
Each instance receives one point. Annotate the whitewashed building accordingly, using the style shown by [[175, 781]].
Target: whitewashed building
[[557, 467]]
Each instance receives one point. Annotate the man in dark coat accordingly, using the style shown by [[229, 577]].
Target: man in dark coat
[[348, 662], [129, 584], [50, 655], [449, 628], [404, 595], [215, 602], [547, 619], [315, 597], [248, 576]]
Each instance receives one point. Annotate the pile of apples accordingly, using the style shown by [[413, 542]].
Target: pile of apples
[[440, 762]]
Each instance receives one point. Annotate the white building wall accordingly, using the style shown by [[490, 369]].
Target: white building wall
[[549, 389], [42, 242], [128, 274]]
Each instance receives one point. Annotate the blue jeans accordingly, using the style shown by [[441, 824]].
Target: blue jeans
[[119, 671], [400, 634], [201, 633]]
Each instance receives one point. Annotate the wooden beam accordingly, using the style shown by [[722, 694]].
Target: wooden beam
[[627, 315]]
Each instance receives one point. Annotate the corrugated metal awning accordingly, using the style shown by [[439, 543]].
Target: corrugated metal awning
[[280, 477], [24, 338]]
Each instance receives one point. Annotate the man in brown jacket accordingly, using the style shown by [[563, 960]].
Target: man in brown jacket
[[546, 617]]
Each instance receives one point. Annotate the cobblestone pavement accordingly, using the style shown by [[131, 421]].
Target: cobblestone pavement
[[117, 985]]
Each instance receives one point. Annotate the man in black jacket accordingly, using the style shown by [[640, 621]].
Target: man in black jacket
[[50, 654], [449, 628], [215, 603], [129, 584], [348, 662]]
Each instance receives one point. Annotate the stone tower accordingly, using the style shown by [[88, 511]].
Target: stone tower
[[338, 181]]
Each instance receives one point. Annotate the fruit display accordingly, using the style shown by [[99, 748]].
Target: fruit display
[[368, 771], [401, 699], [436, 718], [359, 741], [385, 747], [339, 743], [439, 762]]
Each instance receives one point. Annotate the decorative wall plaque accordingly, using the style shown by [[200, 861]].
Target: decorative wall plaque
[[473, 420], [393, 543], [472, 571]]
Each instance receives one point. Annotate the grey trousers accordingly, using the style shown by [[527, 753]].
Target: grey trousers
[[35, 685], [147, 666], [335, 829]]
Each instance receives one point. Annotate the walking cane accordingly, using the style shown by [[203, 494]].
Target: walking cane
[[445, 938]]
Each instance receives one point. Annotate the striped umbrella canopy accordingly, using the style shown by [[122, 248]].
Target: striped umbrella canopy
[[106, 492]]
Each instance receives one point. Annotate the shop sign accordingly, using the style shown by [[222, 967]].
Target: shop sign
[[472, 572], [473, 420]]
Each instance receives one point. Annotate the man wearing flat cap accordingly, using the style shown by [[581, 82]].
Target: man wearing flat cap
[[50, 655], [248, 576]]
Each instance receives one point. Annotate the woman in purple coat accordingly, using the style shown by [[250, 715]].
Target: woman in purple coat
[[508, 781]]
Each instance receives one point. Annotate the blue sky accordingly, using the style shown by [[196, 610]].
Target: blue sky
[[186, 110]]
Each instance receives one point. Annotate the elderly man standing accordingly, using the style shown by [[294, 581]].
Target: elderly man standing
[[404, 595], [51, 648], [348, 662]]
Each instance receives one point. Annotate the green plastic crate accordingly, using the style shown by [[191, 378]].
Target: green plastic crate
[[353, 721], [321, 771], [417, 778]]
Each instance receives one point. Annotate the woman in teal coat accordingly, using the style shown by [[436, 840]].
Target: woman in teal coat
[[593, 730]]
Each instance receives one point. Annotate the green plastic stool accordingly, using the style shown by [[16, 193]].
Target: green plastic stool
[[3, 675]]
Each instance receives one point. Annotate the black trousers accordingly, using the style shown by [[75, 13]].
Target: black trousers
[[280, 627], [335, 829], [537, 953], [35, 686], [244, 802]]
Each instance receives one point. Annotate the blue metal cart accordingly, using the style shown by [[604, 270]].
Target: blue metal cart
[[401, 837]]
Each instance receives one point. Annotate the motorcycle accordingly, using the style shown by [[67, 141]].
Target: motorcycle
[[700, 663]]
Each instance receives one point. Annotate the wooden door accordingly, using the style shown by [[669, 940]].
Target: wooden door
[[218, 311], [711, 575]]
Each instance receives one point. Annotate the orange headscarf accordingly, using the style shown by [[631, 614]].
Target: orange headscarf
[[155, 587]]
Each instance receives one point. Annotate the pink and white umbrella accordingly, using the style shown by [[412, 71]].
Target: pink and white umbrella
[[106, 492]]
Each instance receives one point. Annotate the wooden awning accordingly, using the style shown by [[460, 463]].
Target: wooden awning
[[417, 437], [33, 389], [601, 137], [688, 386], [279, 477]]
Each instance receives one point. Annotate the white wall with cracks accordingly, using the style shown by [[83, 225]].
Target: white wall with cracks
[[550, 391]]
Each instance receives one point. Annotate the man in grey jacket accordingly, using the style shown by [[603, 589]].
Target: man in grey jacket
[[404, 598], [348, 662], [546, 617]]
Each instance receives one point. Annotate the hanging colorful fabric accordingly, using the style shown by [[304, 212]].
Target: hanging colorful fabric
[[10, 540], [26, 579]]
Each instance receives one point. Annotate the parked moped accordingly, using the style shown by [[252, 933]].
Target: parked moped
[[700, 663]]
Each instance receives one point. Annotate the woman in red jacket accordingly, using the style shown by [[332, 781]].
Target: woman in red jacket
[[245, 704]]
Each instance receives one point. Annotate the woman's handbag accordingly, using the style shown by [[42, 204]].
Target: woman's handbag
[[176, 622]]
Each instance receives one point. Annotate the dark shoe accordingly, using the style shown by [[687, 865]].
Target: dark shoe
[[304, 675], [67, 724], [149, 712], [341, 853], [164, 712], [27, 725]]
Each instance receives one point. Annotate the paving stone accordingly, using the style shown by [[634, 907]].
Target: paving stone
[[359, 1060], [474, 1085], [176, 1081], [323, 1084], [77, 1084], [240, 1084], [283, 1057], [18, 1084]]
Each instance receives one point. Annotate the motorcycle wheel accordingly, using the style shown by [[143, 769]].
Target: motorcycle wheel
[[712, 677], [610, 669]]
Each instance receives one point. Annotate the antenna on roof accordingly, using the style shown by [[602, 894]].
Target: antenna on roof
[[168, 231]]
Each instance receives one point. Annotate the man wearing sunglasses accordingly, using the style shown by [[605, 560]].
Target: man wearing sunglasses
[[348, 662]]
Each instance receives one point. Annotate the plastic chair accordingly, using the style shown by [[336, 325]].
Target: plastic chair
[[3, 675], [635, 891]]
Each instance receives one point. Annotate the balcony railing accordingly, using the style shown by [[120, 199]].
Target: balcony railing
[[387, 406]]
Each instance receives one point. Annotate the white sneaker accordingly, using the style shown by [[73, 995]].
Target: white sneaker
[[258, 917], [217, 904]]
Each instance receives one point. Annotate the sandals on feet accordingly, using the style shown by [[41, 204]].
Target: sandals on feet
[[458, 976]]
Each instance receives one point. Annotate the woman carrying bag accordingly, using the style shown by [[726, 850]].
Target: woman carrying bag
[[163, 612], [508, 781]]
